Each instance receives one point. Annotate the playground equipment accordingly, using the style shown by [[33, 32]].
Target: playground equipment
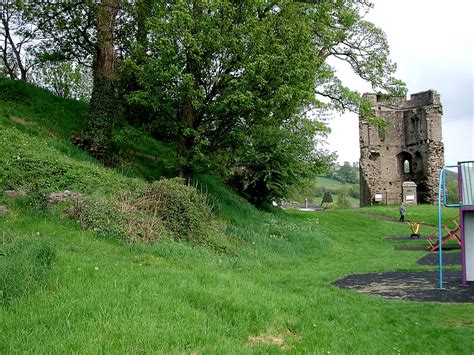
[[415, 229], [453, 230], [465, 171]]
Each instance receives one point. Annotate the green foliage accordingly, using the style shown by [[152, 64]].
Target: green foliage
[[342, 198], [24, 263], [65, 79], [163, 210], [327, 198], [354, 191], [272, 161], [18, 41], [209, 74], [183, 210], [307, 189], [232, 74], [346, 174]]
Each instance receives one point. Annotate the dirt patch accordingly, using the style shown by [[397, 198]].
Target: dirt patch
[[411, 286], [269, 339], [433, 259], [22, 121]]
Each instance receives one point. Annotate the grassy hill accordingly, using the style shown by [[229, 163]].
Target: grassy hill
[[334, 186], [258, 282], [329, 183]]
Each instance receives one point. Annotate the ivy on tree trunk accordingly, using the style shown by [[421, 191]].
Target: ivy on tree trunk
[[101, 114]]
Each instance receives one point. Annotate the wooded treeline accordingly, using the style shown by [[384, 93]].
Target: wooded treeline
[[234, 84]]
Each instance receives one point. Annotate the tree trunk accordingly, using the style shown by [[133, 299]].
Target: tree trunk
[[101, 115], [186, 138], [186, 113]]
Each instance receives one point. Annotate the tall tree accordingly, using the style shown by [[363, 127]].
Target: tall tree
[[18, 37], [84, 31], [101, 115], [346, 173], [222, 68], [218, 65]]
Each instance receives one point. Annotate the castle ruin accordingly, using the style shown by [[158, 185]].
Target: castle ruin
[[410, 150]]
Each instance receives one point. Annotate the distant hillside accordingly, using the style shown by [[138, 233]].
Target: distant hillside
[[330, 183]]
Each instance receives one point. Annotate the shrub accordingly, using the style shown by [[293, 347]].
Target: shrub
[[165, 209], [327, 198], [342, 198]]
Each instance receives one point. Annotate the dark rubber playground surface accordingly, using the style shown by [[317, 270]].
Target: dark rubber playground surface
[[433, 259], [411, 286], [404, 238], [425, 247]]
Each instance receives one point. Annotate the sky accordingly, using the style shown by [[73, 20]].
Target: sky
[[431, 41]]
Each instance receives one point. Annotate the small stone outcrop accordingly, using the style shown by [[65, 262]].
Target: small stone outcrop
[[63, 196], [3, 210], [15, 193]]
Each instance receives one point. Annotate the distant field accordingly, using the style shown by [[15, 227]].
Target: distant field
[[334, 185], [329, 183]]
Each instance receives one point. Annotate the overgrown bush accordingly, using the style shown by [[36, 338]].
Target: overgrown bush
[[165, 209], [24, 263]]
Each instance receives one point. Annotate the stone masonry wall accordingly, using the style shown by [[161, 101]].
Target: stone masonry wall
[[413, 135]]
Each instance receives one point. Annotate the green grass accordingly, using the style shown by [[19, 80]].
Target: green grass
[[272, 294], [329, 183], [171, 297], [426, 214]]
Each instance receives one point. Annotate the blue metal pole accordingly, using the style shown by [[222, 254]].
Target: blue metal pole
[[440, 244]]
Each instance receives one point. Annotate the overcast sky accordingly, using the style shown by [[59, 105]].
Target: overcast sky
[[431, 42]]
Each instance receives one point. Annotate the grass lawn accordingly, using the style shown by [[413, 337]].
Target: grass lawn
[[275, 295]]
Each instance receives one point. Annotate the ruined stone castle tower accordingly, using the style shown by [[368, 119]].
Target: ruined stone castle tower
[[409, 150]]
